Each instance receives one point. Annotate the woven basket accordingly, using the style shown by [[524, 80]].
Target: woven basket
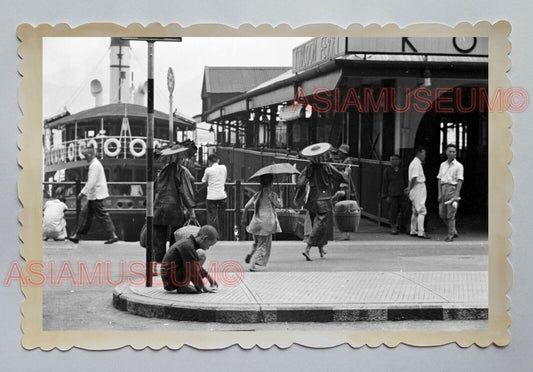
[[186, 231], [347, 216], [288, 219]]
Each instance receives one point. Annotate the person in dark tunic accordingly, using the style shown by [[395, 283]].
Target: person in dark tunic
[[394, 193], [182, 264], [173, 192], [323, 180]]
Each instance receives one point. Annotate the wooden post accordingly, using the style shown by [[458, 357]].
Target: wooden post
[[273, 122], [78, 201], [238, 203], [149, 165]]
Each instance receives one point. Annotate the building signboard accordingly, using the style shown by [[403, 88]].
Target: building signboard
[[449, 46], [317, 51], [322, 49]]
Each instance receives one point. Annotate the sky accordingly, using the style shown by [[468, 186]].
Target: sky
[[69, 65]]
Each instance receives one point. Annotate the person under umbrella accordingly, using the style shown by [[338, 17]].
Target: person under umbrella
[[322, 179], [264, 222]]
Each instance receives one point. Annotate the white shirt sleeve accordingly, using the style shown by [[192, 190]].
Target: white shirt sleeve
[[225, 173], [92, 178], [460, 172], [413, 171], [441, 172]]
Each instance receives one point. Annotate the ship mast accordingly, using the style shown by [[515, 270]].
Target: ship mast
[[119, 56]]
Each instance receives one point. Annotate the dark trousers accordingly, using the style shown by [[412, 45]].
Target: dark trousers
[[161, 234], [94, 208], [398, 207], [319, 230], [214, 211]]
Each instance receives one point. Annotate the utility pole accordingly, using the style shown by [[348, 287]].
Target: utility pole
[[170, 84], [150, 151]]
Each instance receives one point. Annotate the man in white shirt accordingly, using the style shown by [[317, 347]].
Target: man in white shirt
[[418, 194], [96, 191], [451, 176], [215, 178], [54, 224]]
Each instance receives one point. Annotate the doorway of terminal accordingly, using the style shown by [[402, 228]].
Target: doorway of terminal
[[469, 132]]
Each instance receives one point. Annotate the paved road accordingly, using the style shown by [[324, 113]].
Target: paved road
[[67, 305]]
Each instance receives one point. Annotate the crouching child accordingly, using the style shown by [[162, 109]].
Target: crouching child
[[182, 270]]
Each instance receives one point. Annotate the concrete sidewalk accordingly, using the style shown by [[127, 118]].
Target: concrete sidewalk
[[369, 278], [318, 297]]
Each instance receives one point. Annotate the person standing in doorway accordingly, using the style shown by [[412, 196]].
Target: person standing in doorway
[[215, 178], [393, 192], [418, 193], [450, 181], [96, 191], [343, 154]]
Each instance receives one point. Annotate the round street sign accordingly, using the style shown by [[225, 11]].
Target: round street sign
[[170, 80]]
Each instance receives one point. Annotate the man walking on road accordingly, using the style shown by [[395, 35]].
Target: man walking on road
[[450, 182], [215, 178], [96, 191], [418, 193]]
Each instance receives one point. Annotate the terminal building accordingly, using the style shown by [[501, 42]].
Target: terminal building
[[381, 96]]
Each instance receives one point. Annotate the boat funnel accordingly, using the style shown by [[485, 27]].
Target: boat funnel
[[140, 94], [96, 91]]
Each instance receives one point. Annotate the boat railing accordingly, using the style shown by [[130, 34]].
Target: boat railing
[[126, 147]]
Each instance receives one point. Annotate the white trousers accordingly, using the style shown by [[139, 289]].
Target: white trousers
[[418, 195]]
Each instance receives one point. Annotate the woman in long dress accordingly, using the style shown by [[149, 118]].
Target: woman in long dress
[[264, 222]]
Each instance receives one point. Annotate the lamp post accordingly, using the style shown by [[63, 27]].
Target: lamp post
[[170, 85], [150, 150]]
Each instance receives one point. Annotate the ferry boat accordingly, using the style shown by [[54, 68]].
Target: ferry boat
[[118, 133]]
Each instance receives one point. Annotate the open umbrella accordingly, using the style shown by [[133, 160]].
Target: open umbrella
[[279, 168]]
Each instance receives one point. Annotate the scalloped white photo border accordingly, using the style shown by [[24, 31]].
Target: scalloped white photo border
[[29, 191]]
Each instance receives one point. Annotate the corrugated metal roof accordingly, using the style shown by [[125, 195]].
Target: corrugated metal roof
[[237, 79], [285, 75], [117, 110]]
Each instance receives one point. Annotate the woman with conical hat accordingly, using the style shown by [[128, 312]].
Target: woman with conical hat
[[321, 179], [174, 192]]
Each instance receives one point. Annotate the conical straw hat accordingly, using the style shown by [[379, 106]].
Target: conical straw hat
[[316, 149]]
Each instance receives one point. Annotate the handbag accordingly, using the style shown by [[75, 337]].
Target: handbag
[[186, 230]]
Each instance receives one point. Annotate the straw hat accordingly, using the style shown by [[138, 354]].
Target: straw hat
[[316, 149], [176, 149], [344, 148]]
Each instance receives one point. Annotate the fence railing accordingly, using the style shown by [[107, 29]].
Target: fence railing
[[132, 201]]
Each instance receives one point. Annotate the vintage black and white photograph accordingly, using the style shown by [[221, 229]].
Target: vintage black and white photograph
[[269, 183]]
